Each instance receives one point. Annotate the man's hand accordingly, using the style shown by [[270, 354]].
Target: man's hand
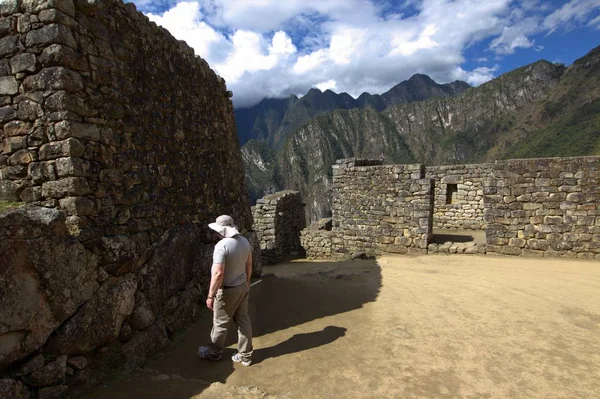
[[210, 302]]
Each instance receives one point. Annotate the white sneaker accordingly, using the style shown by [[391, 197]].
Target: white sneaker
[[238, 359]]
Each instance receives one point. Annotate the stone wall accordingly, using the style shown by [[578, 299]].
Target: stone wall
[[278, 220], [316, 239], [380, 209], [463, 208], [109, 118], [544, 207], [128, 142]]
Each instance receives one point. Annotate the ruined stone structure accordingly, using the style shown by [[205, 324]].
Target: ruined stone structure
[[544, 207], [316, 239], [278, 220], [533, 207], [380, 209], [459, 195], [125, 146]]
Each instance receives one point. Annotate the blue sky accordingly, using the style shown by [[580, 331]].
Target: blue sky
[[274, 48]]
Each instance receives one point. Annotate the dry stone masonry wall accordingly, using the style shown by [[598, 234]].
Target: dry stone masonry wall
[[380, 209], [459, 195], [534, 207], [278, 220], [316, 239], [544, 207], [123, 142]]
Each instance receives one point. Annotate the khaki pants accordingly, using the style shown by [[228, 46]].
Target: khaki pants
[[231, 303]]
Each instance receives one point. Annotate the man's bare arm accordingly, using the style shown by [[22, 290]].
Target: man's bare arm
[[216, 280]]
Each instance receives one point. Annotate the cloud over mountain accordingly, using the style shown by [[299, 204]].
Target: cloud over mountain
[[273, 48]]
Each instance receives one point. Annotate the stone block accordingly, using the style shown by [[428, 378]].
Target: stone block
[[29, 110], [67, 129], [70, 166], [509, 250], [50, 34], [59, 149], [13, 144], [25, 62], [31, 194], [403, 241], [52, 373], [69, 186], [576, 197], [65, 101], [16, 128], [553, 219], [517, 242], [8, 86], [55, 16], [13, 172], [7, 113], [40, 172], [9, 191], [36, 6], [9, 45], [397, 249], [538, 244], [80, 206], [54, 78], [142, 344], [77, 362], [22, 157], [58, 55]]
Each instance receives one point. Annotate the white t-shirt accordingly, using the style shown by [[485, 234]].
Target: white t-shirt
[[233, 253]]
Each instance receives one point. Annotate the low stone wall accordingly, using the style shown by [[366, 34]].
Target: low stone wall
[[316, 239], [462, 208], [379, 209], [278, 220], [469, 248], [544, 207]]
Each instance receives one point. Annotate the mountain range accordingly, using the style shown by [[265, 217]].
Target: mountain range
[[273, 120], [539, 110]]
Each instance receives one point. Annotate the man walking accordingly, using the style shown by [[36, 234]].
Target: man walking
[[229, 291]]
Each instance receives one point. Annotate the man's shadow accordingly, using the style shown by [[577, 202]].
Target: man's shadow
[[299, 342]]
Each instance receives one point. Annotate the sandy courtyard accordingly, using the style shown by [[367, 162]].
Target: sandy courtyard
[[400, 327]]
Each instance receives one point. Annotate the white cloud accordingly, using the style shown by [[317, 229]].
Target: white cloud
[[329, 85], [273, 48], [595, 22], [251, 54], [477, 76], [515, 36], [307, 63], [184, 21], [424, 42], [573, 12]]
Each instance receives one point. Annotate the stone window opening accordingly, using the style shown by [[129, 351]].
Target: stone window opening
[[451, 190]]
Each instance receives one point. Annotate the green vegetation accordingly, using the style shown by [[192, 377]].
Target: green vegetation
[[574, 133], [6, 205]]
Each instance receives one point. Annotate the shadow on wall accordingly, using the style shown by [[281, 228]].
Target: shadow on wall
[[289, 298]]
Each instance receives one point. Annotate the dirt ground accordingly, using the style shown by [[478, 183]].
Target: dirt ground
[[400, 327]]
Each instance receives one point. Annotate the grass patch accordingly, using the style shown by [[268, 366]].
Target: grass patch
[[6, 205]]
